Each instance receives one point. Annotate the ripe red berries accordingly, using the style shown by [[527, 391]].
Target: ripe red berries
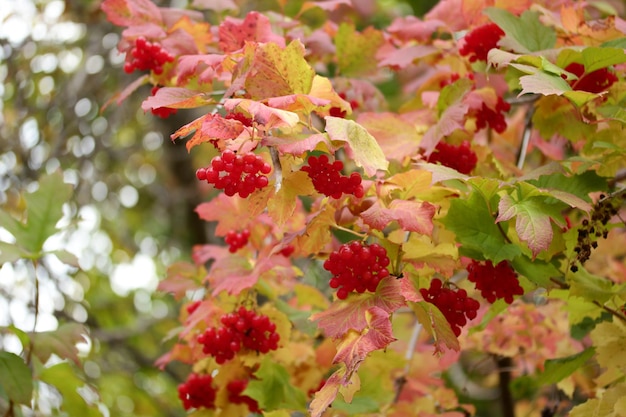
[[495, 282], [197, 392], [357, 266], [243, 329], [236, 240], [327, 178], [147, 56], [479, 41], [594, 82], [236, 174], [461, 157], [494, 118], [454, 304]]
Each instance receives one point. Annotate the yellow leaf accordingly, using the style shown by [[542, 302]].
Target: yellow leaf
[[199, 31]]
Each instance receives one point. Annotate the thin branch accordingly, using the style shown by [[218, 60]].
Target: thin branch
[[507, 403], [410, 352], [528, 127]]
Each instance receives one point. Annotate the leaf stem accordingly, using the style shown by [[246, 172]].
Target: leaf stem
[[408, 356], [36, 303]]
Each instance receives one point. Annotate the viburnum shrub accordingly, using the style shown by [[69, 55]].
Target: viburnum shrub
[[424, 197]]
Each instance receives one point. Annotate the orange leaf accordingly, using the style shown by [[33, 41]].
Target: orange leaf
[[200, 31]]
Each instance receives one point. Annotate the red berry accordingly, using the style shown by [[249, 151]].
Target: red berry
[[594, 82], [455, 305], [478, 42], [236, 174], [492, 117], [235, 388], [162, 112], [328, 180], [197, 392], [147, 56], [237, 240], [461, 157], [242, 329], [495, 282], [357, 267]]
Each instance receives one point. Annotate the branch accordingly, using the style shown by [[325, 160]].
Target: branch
[[504, 382], [528, 127]]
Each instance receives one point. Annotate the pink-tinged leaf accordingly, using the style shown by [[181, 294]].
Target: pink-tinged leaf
[[61, 342], [412, 216], [395, 133], [278, 71], [127, 91], [203, 313], [326, 5], [131, 12], [232, 274], [150, 31], [327, 394], [532, 224], [441, 172], [201, 254], [172, 15], [260, 113], [452, 119], [297, 103], [363, 147], [234, 33], [206, 67], [355, 346], [409, 28], [349, 314], [215, 5], [176, 98], [450, 12], [405, 56], [298, 145], [181, 278]]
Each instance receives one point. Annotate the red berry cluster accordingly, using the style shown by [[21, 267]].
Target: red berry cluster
[[461, 157], [147, 56], [357, 266], [455, 76], [494, 118], [237, 240], [287, 251], [242, 329], [197, 392], [327, 178], [235, 388], [236, 174], [455, 305], [162, 112], [495, 282], [594, 82], [478, 42]]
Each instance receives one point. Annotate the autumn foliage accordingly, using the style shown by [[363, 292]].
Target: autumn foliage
[[392, 238]]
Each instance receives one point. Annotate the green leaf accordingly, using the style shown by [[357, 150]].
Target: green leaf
[[365, 150], [523, 34], [61, 342], [595, 58], [15, 378], [356, 51], [555, 370], [273, 389], [10, 252], [590, 287], [453, 93], [476, 231], [543, 83], [536, 271], [579, 185], [64, 379], [44, 210], [615, 43]]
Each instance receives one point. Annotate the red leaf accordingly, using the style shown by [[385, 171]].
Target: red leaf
[[127, 91], [327, 394], [411, 28], [176, 98], [255, 27], [453, 118], [350, 314], [237, 208], [296, 145], [270, 117], [206, 67], [405, 56], [297, 102], [131, 12], [232, 274], [412, 216], [355, 346]]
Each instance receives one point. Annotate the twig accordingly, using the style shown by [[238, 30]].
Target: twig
[[528, 127], [278, 169], [410, 352], [504, 382]]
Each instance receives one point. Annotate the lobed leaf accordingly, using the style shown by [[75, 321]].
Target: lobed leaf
[[525, 33], [272, 388], [15, 378], [363, 147]]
